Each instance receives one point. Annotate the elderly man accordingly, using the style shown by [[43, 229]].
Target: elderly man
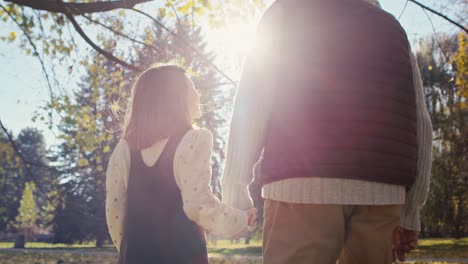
[[334, 101]]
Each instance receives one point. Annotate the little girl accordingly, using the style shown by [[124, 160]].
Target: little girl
[[159, 201]]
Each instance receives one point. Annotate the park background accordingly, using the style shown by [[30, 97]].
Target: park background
[[66, 70]]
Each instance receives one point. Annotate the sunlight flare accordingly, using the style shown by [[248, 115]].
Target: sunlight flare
[[233, 40]]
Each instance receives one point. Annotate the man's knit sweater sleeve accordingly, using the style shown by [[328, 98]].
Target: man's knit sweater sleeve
[[417, 195], [251, 110]]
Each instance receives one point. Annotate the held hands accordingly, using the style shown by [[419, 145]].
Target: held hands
[[404, 241], [251, 216]]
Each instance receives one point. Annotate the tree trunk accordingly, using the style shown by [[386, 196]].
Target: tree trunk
[[100, 238], [457, 232], [20, 241], [247, 240]]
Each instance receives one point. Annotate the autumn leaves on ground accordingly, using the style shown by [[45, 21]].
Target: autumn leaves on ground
[[446, 250]]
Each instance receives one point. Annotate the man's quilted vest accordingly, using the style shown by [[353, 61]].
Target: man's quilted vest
[[344, 104]]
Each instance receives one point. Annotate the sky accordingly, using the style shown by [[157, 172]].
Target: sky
[[23, 88]]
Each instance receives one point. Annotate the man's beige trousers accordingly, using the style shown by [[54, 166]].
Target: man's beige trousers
[[323, 234]]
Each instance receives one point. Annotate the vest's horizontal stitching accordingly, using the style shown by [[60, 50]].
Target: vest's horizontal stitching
[[396, 64], [344, 155], [390, 167], [384, 138], [377, 156], [414, 155], [317, 95], [274, 169], [370, 52], [329, 112], [372, 101], [401, 99], [349, 132], [397, 140], [359, 32], [336, 80], [379, 46], [409, 115], [351, 66], [405, 159], [395, 81], [327, 118], [377, 75], [358, 56], [345, 65]]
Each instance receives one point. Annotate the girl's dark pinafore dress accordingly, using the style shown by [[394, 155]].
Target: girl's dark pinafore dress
[[156, 229]]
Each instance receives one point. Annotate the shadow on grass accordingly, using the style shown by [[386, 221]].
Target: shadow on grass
[[106, 249], [244, 251]]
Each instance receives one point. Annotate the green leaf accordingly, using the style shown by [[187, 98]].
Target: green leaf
[[83, 162], [106, 149], [12, 36]]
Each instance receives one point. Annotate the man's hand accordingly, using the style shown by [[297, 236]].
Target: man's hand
[[404, 241], [252, 214]]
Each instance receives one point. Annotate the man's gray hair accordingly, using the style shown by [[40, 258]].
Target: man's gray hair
[[375, 2]]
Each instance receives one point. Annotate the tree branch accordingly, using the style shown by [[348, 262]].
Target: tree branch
[[77, 8], [436, 36], [441, 15], [403, 10], [80, 31], [188, 44], [119, 33]]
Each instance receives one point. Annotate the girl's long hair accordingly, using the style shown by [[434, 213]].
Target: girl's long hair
[[159, 106]]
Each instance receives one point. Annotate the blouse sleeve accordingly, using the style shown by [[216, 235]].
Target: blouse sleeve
[[116, 187], [192, 170]]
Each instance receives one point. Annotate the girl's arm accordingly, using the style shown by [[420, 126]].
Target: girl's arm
[[192, 170], [116, 188]]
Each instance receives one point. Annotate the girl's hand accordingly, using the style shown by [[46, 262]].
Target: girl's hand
[[252, 215], [241, 234]]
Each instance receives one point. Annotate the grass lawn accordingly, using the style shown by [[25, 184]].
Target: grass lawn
[[442, 248], [223, 252], [428, 248]]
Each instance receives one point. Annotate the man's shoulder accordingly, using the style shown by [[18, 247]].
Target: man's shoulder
[[274, 10], [384, 15]]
